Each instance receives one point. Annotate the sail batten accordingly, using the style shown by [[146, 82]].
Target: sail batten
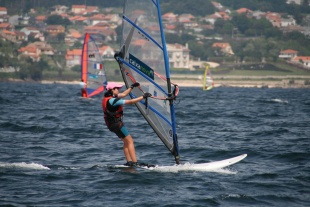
[[144, 58]]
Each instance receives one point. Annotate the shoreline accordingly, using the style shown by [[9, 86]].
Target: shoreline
[[198, 83]]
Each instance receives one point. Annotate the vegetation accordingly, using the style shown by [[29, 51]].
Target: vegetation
[[198, 8], [279, 6], [57, 20]]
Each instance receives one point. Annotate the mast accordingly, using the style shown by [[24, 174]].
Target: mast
[[166, 58]]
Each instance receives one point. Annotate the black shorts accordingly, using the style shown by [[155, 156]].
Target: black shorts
[[119, 129]]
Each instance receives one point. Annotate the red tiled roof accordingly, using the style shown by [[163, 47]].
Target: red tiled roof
[[243, 10], [303, 58], [289, 51]]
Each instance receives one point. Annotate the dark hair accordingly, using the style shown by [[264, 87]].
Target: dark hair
[[108, 93]]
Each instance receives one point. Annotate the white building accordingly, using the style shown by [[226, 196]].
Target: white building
[[298, 2], [178, 55]]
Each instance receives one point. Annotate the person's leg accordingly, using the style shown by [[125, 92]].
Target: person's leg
[[129, 149], [126, 153]]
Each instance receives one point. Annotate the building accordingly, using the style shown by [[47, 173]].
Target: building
[[217, 5], [59, 9], [73, 57], [6, 26], [12, 36], [23, 20], [3, 11], [40, 19], [72, 36], [303, 60], [288, 54], [55, 29], [83, 9], [224, 48], [298, 2], [44, 48], [78, 9], [106, 52], [178, 55], [31, 51]]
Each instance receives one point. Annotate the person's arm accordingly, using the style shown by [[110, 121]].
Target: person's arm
[[135, 100], [128, 90], [124, 93]]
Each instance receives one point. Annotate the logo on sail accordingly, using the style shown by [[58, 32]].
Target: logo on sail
[[141, 66], [92, 55]]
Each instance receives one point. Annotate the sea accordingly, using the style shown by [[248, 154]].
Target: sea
[[56, 151]]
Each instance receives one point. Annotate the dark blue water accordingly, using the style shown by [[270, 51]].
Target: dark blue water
[[56, 151]]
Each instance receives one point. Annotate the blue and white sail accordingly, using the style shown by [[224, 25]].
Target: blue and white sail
[[143, 58]]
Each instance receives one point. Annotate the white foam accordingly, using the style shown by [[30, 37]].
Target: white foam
[[279, 100], [24, 165]]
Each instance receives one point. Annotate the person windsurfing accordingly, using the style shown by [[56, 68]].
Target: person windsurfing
[[83, 89], [112, 105]]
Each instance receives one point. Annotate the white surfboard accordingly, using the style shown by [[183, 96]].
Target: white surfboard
[[209, 166]]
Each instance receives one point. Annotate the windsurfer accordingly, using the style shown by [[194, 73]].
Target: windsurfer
[[83, 90], [112, 103]]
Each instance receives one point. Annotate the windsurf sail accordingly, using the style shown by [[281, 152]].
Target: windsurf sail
[[208, 82], [143, 58], [93, 73]]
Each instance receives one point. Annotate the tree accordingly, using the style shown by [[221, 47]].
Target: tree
[[24, 65], [172, 38], [241, 22], [77, 44], [32, 39], [57, 20], [61, 37], [198, 50]]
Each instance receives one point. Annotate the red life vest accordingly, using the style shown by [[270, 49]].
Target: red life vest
[[112, 115]]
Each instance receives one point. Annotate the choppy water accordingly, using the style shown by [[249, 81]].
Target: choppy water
[[55, 150]]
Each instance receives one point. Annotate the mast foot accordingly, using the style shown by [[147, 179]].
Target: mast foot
[[177, 160]]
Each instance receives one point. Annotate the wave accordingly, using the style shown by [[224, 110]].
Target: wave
[[274, 100], [22, 127], [279, 100], [23, 165]]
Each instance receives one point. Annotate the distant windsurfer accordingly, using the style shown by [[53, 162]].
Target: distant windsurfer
[[112, 105], [83, 90]]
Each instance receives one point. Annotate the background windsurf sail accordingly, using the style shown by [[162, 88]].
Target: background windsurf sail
[[208, 82], [143, 58], [92, 69]]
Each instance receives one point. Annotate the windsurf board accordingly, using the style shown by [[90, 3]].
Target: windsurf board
[[208, 166]]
